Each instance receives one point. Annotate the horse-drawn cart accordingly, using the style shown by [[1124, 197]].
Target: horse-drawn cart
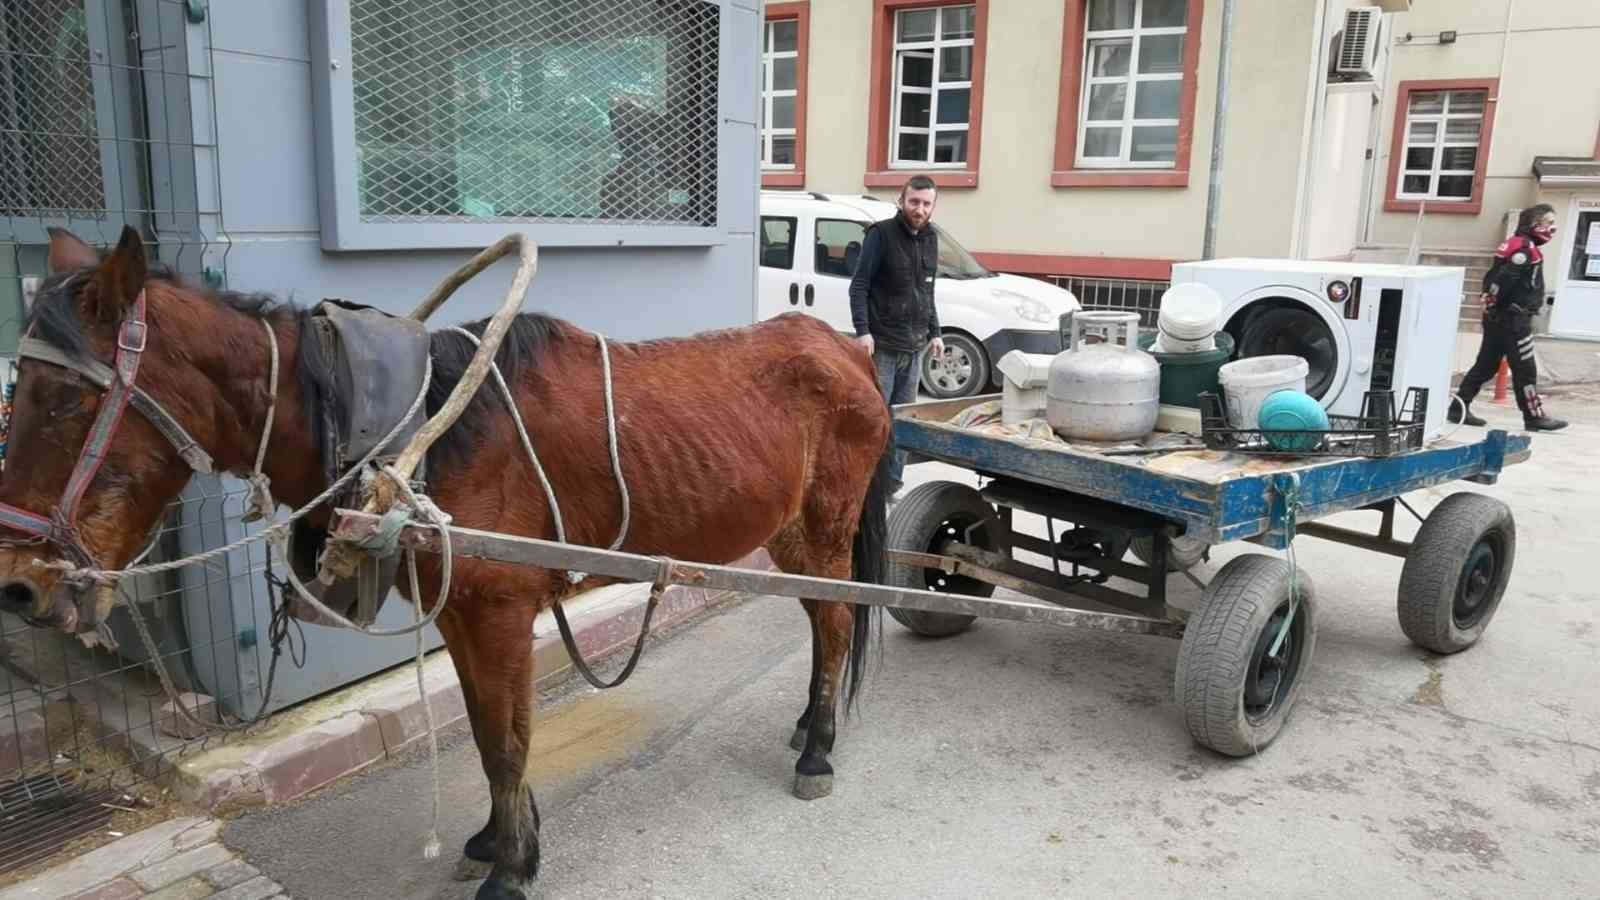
[[1251, 638], [1253, 633]]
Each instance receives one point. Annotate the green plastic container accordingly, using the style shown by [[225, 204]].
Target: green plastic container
[[1184, 376]]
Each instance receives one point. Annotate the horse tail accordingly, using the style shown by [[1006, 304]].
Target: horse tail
[[869, 563]]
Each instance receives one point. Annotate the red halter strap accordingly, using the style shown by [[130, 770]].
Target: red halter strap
[[61, 528]]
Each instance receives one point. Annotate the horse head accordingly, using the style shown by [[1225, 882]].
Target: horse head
[[128, 381]]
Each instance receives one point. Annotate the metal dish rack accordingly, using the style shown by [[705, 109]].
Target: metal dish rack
[[1380, 431]]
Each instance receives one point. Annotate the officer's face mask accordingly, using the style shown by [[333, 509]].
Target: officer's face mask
[[1543, 231]]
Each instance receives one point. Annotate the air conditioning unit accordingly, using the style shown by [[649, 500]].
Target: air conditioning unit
[[1358, 48]]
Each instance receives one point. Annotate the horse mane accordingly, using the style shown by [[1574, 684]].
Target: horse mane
[[54, 318], [529, 338]]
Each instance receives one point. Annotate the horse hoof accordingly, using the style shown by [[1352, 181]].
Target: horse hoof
[[500, 890], [469, 869], [813, 787], [797, 742]]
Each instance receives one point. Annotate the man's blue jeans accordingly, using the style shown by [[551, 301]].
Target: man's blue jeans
[[899, 373]]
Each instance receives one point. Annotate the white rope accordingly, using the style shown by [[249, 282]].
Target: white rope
[[611, 436], [538, 468]]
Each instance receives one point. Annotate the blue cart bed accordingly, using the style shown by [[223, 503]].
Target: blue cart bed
[[1218, 496]]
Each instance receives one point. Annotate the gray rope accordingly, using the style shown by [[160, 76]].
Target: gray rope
[[86, 574], [538, 468], [431, 515], [260, 486], [522, 434], [430, 845]]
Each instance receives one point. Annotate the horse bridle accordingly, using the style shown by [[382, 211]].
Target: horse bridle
[[60, 528]]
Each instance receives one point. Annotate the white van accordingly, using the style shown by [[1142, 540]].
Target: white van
[[809, 244]]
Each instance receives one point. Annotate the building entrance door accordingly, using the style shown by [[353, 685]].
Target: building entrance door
[[1576, 313]]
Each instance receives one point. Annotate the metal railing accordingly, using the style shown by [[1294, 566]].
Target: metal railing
[[1121, 294]]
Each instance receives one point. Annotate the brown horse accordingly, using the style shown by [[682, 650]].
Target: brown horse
[[767, 436]]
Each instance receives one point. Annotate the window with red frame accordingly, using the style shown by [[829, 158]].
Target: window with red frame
[[780, 95], [931, 112], [1443, 137], [1132, 83]]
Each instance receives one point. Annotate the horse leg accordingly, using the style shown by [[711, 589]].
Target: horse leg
[[831, 629], [499, 640], [477, 856], [798, 740]]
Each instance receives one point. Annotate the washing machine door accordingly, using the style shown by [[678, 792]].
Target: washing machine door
[[1278, 319]]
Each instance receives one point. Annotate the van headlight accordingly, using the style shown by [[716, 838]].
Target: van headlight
[[1032, 310]]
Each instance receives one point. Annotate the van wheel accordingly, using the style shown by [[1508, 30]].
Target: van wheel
[[963, 371]]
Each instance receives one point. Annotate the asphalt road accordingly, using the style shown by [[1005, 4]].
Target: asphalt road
[[1024, 761]]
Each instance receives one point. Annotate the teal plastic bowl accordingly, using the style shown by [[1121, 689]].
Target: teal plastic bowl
[[1292, 411]]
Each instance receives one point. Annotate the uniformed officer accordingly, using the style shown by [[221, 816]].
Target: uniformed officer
[[1513, 291]]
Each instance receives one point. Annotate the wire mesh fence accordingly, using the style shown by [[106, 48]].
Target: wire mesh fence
[[105, 122], [536, 110]]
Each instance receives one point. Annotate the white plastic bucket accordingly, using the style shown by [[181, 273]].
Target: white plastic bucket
[[1188, 319], [1247, 383]]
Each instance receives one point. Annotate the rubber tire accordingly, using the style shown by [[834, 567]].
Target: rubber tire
[[1214, 659], [977, 384], [913, 526], [1435, 565], [1183, 553]]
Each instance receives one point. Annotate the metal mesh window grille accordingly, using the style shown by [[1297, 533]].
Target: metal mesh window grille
[[49, 145], [550, 110]]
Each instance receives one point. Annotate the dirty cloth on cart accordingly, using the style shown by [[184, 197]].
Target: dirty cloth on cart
[[984, 418]]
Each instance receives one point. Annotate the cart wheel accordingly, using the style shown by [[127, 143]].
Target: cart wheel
[[1457, 572], [1236, 695], [1183, 553], [924, 521]]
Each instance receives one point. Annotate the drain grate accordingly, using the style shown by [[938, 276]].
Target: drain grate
[[39, 816]]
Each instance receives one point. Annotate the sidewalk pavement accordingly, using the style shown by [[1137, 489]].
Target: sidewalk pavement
[[177, 860], [319, 742], [1560, 361]]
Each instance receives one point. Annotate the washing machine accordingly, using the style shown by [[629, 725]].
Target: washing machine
[[1360, 326]]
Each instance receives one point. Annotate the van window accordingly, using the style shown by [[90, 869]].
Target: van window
[[838, 246], [954, 260], [777, 242]]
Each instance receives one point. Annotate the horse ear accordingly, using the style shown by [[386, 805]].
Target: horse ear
[[118, 281], [68, 253]]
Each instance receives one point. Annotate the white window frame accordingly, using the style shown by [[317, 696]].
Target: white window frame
[[924, 49], [768, 57], [1131, 36], [1440, 144]]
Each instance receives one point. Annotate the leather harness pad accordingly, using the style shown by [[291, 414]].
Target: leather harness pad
[[378, 361]]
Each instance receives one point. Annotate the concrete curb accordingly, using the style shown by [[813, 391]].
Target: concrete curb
[[318, 743]]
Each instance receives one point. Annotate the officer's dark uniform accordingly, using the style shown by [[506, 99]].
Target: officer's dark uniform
[[1513, 291]]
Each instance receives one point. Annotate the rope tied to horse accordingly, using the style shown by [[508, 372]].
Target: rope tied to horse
[[664, 572]]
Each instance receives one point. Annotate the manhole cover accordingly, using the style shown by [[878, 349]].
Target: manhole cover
[[39, 816]]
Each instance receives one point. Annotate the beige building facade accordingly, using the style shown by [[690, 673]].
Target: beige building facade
[[1076, 138], [1532, 69]]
